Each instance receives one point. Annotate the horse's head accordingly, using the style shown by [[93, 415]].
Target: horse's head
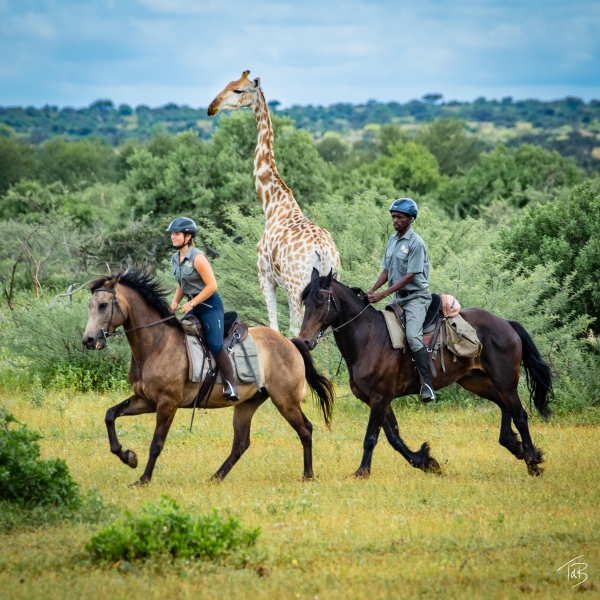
[[107, 312], [321, 309]]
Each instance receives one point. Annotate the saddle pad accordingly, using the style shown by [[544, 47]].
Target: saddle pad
[[241, 370], [195, 359], [395, 331]]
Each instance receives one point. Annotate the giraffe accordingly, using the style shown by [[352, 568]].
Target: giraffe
[[291, 245]]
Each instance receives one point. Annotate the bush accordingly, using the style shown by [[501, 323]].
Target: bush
[[25, 478], [48, 338], [164, 529]]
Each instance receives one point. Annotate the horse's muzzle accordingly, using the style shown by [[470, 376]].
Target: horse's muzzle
[[94, 342]]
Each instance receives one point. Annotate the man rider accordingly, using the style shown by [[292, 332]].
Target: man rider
[[406, 269]]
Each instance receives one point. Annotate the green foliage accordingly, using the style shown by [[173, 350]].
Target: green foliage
[[563, 233], [48, 339], [25, 478], [516, 175], [164, 530], [17, 161], [446, 139], [74, 162]]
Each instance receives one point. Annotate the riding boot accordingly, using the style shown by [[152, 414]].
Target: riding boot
[[229, 390], [421, 359]]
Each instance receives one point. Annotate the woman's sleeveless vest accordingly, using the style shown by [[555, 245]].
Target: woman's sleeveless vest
[[185, 273]]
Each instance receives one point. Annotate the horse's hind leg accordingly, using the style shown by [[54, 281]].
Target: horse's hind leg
[[134, 405], [421, 459], [242, 418], [478, 383], [293, 414]]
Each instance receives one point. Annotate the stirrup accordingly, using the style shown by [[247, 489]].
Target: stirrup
[[426, 394], [229, 392]]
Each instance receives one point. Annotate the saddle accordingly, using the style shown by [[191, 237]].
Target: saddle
[[234, 331], [432, 327]]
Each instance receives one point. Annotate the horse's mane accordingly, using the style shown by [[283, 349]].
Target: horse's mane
[[311, 292], [147, 286]]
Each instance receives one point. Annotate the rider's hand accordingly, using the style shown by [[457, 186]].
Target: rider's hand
[[174, 306], [186, 308], [374, 298]]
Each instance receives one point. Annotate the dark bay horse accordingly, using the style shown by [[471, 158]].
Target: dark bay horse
[[158, 373], [379, 373]]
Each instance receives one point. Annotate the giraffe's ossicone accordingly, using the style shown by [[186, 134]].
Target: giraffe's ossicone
[[291, 245]]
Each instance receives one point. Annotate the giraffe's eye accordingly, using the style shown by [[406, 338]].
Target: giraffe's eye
[[238, 91]]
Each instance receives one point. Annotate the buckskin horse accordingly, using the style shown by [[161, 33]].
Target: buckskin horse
[[379, 373], [158, 373]]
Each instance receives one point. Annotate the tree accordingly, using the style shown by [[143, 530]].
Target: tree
[[447, 140], [514, 175], [17, 161], [563, 233]]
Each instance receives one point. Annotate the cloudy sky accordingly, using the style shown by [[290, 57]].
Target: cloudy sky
[[70, 52]]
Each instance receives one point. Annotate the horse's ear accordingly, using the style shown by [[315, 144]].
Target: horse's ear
[[111, 283], [315, 274], [329, 279]]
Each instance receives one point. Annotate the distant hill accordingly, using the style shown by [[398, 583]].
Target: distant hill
[[570, 125]]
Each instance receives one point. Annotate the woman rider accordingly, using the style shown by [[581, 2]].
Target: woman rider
[[197, 282]]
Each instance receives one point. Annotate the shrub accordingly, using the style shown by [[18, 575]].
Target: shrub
[[25, 478], [49, 339], [164, 529]]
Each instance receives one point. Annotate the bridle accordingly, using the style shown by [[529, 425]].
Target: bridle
[[330, 297], [106, 333]]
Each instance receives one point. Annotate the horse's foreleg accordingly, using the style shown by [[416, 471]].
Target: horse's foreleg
[[164, 417], [421, 459], [134, 405], [242, 419], [379, 408]]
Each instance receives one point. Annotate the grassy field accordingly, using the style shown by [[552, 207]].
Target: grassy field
[[485, 529]]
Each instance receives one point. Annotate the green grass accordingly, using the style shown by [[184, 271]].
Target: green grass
[[485, 529]]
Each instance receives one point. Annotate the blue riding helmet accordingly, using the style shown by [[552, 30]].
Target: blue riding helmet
[[183, 225], [406, 206]]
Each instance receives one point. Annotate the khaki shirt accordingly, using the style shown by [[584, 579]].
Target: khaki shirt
[[407, 254]]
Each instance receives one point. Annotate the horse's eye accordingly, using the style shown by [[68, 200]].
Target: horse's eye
[[103, 305], [238, 91]]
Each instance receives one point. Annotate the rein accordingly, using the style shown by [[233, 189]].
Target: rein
[[106, 333], [331, 296]]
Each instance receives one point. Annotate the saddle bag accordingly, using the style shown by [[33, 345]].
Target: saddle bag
[[461, 338]]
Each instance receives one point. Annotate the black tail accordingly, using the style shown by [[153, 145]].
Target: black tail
[[537, 372], [319, 384]]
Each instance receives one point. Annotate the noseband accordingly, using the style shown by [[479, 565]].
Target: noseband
[[115, 302]]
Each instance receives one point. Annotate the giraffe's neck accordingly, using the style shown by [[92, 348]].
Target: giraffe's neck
[[275, 196]]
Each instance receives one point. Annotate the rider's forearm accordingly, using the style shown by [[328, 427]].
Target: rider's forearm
[[178, 295], [399, 284], [383, 277], [207, 292]]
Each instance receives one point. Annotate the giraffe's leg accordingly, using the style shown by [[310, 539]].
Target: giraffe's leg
[[296, 311], [268, 287]]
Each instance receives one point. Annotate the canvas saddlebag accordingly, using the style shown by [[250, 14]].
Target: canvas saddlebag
[[462, 338]]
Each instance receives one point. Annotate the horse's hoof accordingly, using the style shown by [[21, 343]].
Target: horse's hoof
[[361, 474], [132, 460], [433, 467], [306, 478], [535, 470], [139, 483], [216, 478]]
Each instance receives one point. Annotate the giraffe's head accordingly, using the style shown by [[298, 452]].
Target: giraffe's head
[[236, 94]]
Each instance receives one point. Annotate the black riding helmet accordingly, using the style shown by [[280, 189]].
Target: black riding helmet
[[183, 225]]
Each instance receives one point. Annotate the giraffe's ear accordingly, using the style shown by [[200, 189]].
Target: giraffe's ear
[[315, 274], [329, 278], [257, 82]]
